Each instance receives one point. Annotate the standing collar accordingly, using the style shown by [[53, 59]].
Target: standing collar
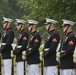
[[51, 32], [8, 29], [69, 33], [33, 32], [22, 31]]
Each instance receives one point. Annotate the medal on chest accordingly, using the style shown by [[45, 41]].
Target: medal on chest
[[48, 37], [66, 38], [20, 35], [30, 38], [4, 34]]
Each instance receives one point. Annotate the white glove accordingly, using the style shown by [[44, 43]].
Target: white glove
[[74, 55], [24, 53], [74, 60], [24, 57], [41, 55], [12, 55], [57, 59], [58, 54]]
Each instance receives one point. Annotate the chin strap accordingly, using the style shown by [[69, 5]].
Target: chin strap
[[31, 29], [6, 25], [66, 29], [49, 27], [20, 27]]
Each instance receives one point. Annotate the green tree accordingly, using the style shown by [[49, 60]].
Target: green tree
[[56, 9], [11, 9]]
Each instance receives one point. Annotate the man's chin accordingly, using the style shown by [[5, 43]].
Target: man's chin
[[64, 31]]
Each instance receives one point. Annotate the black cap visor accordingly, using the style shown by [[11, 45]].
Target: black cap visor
[[64, 25], [30, 25]]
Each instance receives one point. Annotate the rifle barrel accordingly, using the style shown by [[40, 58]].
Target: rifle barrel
[[41, 67], [0, 66]]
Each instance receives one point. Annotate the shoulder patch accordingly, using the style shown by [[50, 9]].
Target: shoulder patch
[[71, 43], [36, 40], [54, 40], [25, 38]]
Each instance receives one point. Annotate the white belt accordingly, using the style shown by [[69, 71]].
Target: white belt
[[19, 46], [62, 51], [46, 49], [3, 43], [30, 49]]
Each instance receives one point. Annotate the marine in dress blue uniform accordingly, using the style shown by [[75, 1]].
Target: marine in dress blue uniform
[[6, 46], [22, 42], [68, 42], [33, 48], [49, 52]]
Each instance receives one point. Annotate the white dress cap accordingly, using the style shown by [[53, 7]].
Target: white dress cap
[[32, 22], [51, 21], [68, 22], [7, 19], [20, 21]]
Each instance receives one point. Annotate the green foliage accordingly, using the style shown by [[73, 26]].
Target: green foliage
[[39, 10], [56, 9], [11, 9]]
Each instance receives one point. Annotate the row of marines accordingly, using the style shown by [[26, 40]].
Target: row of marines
[[27, 48]]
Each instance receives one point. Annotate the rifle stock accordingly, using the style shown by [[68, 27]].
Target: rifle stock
[[24, 68], [41, 58], [58, 68], [0, 66], [41, 67], [12, 72]]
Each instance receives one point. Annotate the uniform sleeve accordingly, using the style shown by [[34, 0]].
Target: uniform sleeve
[[10, 38], [71, 45], [54, 42], [24, 42], [36, 43]]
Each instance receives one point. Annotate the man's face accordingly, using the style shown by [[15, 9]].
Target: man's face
[[18, 27], [65, 28], [29, 27], [4, 25], [47, 26], [52, 27]]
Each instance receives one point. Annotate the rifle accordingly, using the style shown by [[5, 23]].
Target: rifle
[[41, 57], [0, 65], [58, 59], [58, 68], [74, 59], [41, 67], [59, 49], [12, 72], [58, 65], [24, 68], [12, 56], [24, 58]]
